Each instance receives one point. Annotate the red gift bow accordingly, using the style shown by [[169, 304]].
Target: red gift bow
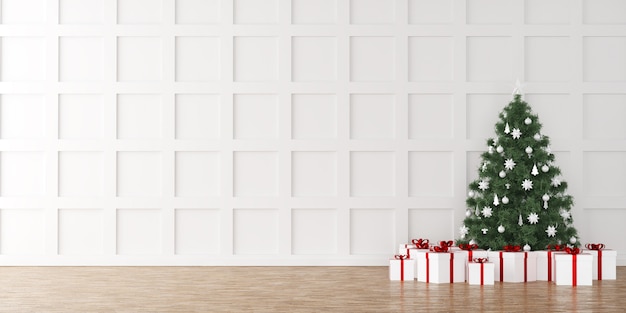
[[466, 246], [511, 248], [480, 260], [449, 243], [569, 250], [401, 257], [598, 247], [443, 247], [420, 243], [594, 246], [555, 247]]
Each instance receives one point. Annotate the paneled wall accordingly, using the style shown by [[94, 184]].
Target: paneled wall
[[289, 132]]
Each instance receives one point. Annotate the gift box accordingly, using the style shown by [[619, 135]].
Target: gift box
[[546, 267], [401, 268], [514, 267], [439, 267], [573, 269], [604, 262], [406, 250], [480, 273]]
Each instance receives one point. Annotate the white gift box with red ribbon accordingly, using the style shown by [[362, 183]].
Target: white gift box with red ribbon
[[546, 266], [573, 269], [480, 273], [514, 267], [468, 253], [401, 269], [604, 264], [440, 267]]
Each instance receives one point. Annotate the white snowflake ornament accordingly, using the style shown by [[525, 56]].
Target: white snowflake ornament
[[516, 133], [487, 211], [483, 185], [533, 218], [555, 182], [527, 184], [551, 231], [463, 230], [509, 164], [565, 215]]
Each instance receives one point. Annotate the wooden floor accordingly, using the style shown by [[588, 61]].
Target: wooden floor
[[282, 289]]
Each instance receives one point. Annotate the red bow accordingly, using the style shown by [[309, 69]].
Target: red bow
[[572, 251], [594, 246], [511, 248], [400, 257], [555, 247], [480, 260], [466, 246], [449, 243], [420, 243], [443, 247]]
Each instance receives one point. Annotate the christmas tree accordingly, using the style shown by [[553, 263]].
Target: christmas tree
[[519, 197]]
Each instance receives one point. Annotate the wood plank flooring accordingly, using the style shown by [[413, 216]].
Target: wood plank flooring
[[282, 289]]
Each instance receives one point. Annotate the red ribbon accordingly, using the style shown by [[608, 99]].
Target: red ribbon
[[420, 243], [573, 252], [511, 248], [598, 247], [525, 266], [569, 250], [427, 268], [555, 247], [451, 268], [401, 258], [501, 267], [482, 273], [468, 248], [550, 265]]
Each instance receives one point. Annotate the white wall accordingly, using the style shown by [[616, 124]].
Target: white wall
[[278, 132]]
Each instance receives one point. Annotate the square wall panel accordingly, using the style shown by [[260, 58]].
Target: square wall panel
[[313, 174], [23, 59], [372, 173], [255, 116], [197, 116], [313, 12], [139, 59], [431, 116], [482, 114], [603, 59], [547, 12], [489, 59], [313, 58], [81, 58], [430, 11], [22, 174], [431, 58], [81, 11], [139, 231], [313, 116], [138, 173], [255, 231], [603, 116], [436, 224], [313, 231], [80, 116], [255, 11], [372, 116], [197, 231], [547, 59], [256, 58], [197, 12], [606, 226], [197, 174], [23, 11], [81, 174], [489, 11], [604, 173], [255, 173], [81, 232], [550, 107], [139, 11], [197, 59], [372, 11], [22, 232], [431, 174], [138, 116], [22, 116], [372, 231], [604, 12], [372, 58]]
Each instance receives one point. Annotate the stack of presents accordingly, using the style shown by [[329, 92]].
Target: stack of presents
[[446, 263]]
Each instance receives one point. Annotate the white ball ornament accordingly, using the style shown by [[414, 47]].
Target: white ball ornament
[[505, 200], [499, 149], [545, 168], [471, 194], [537, 137], [502, 174], [529, 150], [528, 121], [526, 247], [545, 197], [468, 213], [501, 229], [572, 240]]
